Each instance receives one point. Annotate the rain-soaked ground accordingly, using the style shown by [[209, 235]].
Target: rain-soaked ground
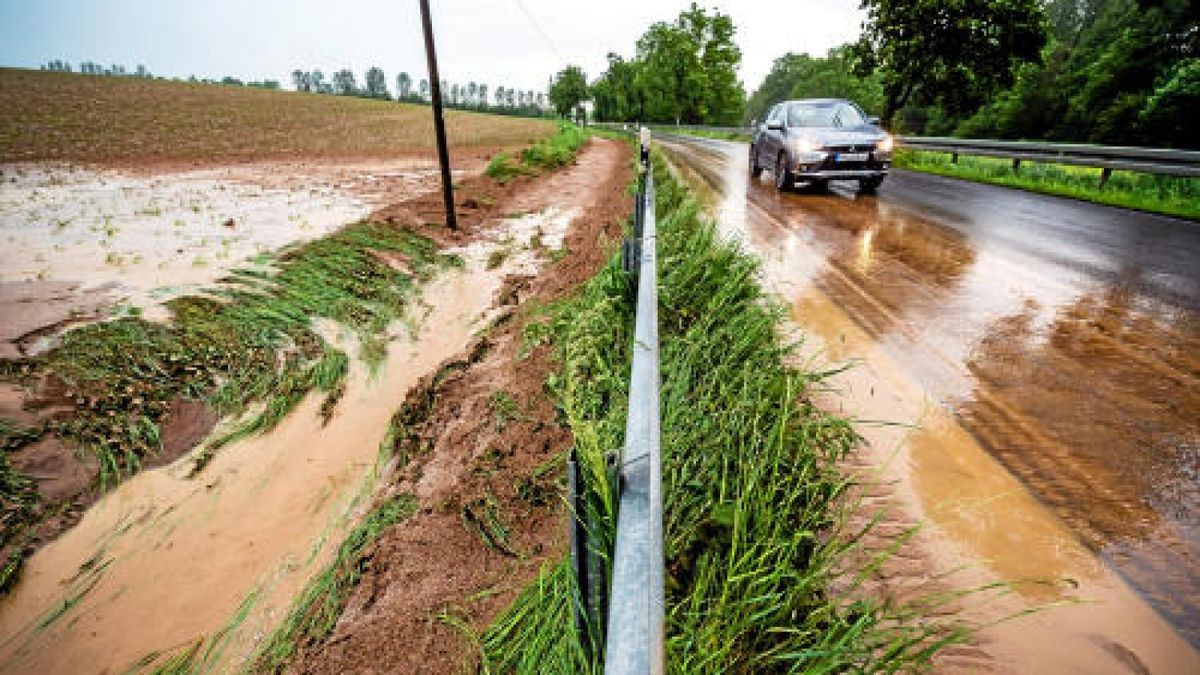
[[1060, 337]]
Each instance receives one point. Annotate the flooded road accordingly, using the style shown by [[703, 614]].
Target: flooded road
[[1027, 337]]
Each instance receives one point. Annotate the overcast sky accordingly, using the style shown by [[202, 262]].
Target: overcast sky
[[517, 43]]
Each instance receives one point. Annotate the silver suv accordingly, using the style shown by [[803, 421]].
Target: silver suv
[[814, 141]]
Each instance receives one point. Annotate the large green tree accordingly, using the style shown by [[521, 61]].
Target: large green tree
[[688, 70], [568, 89], [804, 76], [615, 93], [955, 54], [684, 71]]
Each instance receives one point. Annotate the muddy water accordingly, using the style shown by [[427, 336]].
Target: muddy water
[[1045, 352], [164, 560], [143, 238]]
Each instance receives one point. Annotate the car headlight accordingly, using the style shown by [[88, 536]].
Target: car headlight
[[886, 144], [805, 145]]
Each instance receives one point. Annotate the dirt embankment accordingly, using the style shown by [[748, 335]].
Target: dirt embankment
[[486, 469]]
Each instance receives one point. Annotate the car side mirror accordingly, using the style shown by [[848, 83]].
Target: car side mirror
[[775, 126], [873, 121]]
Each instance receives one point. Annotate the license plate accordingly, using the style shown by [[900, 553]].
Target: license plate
[[852, 157]]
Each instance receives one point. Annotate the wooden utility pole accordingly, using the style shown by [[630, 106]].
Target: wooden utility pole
[[439, 126]]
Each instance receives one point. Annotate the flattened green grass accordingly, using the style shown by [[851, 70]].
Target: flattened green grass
[[248, 347], [314, 614], [1170, 195], [751, 496]]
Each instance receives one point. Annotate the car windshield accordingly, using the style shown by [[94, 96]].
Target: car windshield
[[824, 115]]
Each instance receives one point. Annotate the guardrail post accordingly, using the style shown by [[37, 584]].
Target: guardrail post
[[1105, 174]]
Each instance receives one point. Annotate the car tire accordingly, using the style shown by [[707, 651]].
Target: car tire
[[755, 168], [870, 185], [783, 174]]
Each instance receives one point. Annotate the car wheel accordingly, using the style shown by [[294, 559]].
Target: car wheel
[[783, 174], [870, 185], [755, 168]]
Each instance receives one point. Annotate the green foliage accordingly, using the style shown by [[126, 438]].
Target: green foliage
[[685, 72], [803, 76], [1168, 110], [953, 54], [555, 151], [567, 90], [546, 154], [750, 491], [1146, 192], [502, 168], [313, 616], [615, 93], [1120, 72]]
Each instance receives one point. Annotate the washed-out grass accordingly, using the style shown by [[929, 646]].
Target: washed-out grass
[[314, 614], [1171, 195], [751, 494], [248, 347]]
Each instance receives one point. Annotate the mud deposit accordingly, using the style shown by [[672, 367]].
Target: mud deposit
[[165, 560], [1025, 378], [494, 449], [78, 241]]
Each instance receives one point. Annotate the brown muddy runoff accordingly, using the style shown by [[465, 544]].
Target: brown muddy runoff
[[167, 559], [1043, 356]]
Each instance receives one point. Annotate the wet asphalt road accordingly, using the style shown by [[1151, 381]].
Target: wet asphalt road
[[1065, 336]]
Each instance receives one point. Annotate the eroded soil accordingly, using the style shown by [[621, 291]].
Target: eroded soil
[[435, 569], [166, 559]]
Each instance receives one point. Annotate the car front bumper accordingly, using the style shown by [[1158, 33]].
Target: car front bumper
[[824, 166]]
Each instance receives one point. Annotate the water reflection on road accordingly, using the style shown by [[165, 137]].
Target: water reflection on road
[[1064, 337]]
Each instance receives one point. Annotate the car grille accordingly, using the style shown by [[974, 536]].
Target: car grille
[[858, 147]]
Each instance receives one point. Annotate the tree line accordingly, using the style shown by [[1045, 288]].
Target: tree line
[[117, 70], [470, 96], [1123, 72], [1119, 72]]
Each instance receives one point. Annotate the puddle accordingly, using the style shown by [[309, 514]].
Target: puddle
[[164, 560], [140, 239]]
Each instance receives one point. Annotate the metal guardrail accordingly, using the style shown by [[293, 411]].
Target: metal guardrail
[[1108, 158], [636, 631], [630, 613]]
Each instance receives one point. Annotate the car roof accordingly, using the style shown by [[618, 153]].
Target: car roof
[[817, 100]]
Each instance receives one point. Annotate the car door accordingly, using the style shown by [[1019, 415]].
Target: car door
[[760, 137], [772, 138]]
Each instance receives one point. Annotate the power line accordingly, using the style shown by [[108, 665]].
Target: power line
[[538, 28]]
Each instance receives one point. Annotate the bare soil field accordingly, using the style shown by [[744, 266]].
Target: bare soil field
[[136, 121]]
